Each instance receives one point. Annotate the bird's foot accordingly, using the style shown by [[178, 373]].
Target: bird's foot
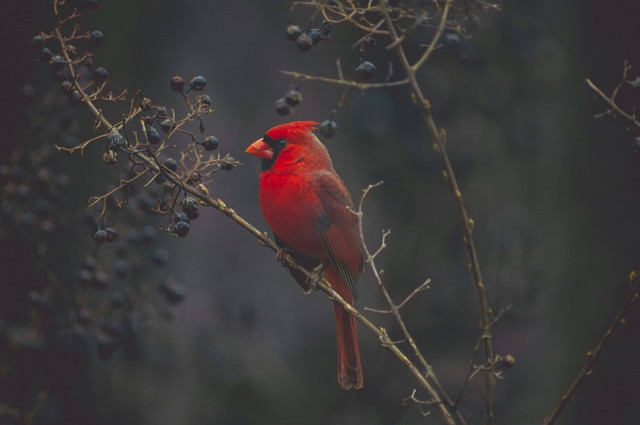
[[311, 282], [281, 254]]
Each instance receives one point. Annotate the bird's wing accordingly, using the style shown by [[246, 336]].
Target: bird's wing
[[339, 230]]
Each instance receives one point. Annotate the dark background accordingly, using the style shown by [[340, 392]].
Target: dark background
[[553, 192]]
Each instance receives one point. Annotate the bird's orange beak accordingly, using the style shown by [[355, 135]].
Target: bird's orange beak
[[261, 149]]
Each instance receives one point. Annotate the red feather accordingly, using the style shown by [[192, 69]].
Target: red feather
[[310, 211]]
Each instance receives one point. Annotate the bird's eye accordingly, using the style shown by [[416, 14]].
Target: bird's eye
[[281, 143]]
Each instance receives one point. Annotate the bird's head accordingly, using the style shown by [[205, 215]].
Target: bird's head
[[290, 143]]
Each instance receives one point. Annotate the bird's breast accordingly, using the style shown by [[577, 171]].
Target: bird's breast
[[292, 209]]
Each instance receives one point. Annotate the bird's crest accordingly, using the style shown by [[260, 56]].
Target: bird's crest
[[292, 129]]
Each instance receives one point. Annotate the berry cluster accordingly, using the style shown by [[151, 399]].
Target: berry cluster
[[415, 18], [290, 99], [160, 156], [74, 62], [115, 295], [306, 40]]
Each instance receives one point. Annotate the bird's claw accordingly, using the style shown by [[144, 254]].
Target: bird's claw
[[311, 282], [281, 254]]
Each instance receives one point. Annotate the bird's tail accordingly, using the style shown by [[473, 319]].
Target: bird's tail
[[349, 368]]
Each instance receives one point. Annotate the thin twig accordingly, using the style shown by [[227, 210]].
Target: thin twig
[[348, 83], [612, 103], [435, 391], [473, 368], [592, 355], [432, 46]]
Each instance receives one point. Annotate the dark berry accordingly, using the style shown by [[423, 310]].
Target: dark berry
[[205, 100], [38, 42], [282, 106], [62, 181], [57, 62], [89, 263], [149, 234], [166, 124], [22, 193], [210, 143], [304, 42], [198, 83], [100, 75], [171, 164], [134, 236], [45, 55], [293, 97], [75, 96], [471, 23], [112, 235], [144, 103], [172, 290], [96, 37], [84, 277], [160, 257], [181, 217], [115, 142], [152, 135], [451, 41], [66, 86], [47, 228], [117, 299], [28, 219], [182, 228], [328, 128], [325, 30], [162, 111], [64, 75], [293, 32], [228, 166], [316, 36], [43, 208], [100, 281], [190, 207], [194, 177], [177, 83], [101, 236], [122, 268], [366, 70]]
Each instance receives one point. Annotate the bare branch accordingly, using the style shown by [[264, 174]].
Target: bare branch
[[611, 102], [348, 83], [619, 320]]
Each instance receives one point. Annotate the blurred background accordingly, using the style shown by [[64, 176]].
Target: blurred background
[[553, 193]]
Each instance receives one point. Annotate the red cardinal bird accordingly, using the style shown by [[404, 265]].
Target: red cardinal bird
[[311, 214]]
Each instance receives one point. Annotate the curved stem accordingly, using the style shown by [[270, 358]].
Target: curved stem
[[467, 223]]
